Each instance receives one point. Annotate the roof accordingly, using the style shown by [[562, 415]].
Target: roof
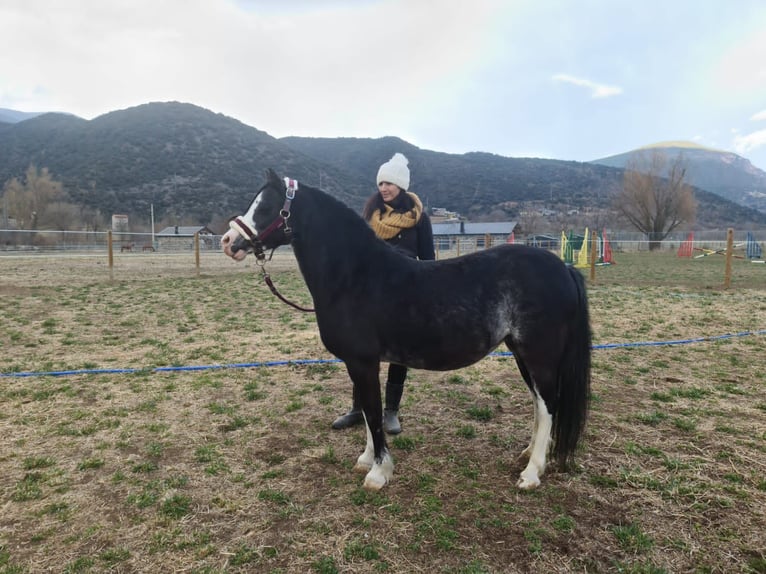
[[184, 231], [497, 228], [465, 228], [446, 228], [543, 237]]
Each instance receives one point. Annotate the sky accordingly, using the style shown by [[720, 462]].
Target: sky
[[560, 79]]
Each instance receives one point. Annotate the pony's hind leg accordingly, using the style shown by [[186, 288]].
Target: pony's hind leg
[[527, 452], [538, 447], [542, 425]]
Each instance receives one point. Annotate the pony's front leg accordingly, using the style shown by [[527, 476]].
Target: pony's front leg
[[375, 461], [378, 469]]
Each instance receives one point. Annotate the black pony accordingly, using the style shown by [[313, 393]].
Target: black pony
[[373, 304]]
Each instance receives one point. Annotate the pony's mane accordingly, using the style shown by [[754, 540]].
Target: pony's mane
[[343, 217]]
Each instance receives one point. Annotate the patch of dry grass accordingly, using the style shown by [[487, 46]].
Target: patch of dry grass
[[237, 470]]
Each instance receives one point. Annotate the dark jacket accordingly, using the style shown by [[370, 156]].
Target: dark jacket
[[415, 242]]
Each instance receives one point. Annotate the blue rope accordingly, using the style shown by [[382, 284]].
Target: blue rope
[[329, 361]]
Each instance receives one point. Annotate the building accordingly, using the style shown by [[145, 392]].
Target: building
[[446, 234], [180, 237]]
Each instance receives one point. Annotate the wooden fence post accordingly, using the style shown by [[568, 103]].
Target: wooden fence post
[[729, 255], [110, 251], [196, 251]]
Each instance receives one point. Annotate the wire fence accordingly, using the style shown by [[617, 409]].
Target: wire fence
[[41, 241], [299, 362], [97, 242]]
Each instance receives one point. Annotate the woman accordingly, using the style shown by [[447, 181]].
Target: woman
[[397, 217]]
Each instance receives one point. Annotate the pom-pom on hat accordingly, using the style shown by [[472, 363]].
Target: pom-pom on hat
[[395, 171]]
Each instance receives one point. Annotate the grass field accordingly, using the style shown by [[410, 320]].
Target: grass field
[[237, 469]]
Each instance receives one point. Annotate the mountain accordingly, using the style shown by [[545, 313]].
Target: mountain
[[14, 116], [485, 186], [189, 162], [194, 165], [474, 184], [723, 173]]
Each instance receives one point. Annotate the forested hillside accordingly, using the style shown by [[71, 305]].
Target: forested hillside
[[485, 186], [196, 166], [190, 163]]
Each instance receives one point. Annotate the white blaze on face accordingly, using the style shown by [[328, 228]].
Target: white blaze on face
[[249, 216]]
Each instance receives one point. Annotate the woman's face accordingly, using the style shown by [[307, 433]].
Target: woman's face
[[388, 191]]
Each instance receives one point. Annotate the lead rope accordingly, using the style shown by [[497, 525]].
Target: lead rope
[[270, 283]]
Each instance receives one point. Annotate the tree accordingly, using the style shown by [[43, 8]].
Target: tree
[[530, 222], [655, 199], [27, 201]]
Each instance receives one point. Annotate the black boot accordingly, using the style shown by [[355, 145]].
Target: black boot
[[351, 418], [391, 412]]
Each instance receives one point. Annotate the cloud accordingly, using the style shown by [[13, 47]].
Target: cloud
[[759, 116], [746, 143], [741, 68], [311, 68], [597, 90]]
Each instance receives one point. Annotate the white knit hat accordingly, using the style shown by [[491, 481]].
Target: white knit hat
[[395, 171]]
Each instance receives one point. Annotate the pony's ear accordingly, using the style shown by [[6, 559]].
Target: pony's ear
[[272, 177]]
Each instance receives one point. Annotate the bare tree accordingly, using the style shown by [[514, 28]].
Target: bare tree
[[92, 219], [60, 215], [655, 199], [529, 222], [28, 200]]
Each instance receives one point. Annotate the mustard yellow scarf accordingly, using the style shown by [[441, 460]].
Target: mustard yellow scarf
[[387, 224]]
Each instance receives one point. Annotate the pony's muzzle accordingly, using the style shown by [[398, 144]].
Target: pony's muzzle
[[235, 245]]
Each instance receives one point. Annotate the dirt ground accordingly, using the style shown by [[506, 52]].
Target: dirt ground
[[179, 441]]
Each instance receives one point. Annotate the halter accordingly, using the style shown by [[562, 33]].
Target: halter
[[256, 239]]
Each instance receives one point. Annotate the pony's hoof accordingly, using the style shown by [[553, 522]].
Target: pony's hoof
[[527, 484], [374, 483], [362, 467], [379, 474]]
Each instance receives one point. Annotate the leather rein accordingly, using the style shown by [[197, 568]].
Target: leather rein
[[256, 239]]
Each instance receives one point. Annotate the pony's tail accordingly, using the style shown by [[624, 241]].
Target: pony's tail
[[573, 381]]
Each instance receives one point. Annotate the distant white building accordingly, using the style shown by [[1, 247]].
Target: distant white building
[[442, 215], [119, 222]]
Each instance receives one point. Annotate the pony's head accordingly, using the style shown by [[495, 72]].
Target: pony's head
[[265, 224]]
